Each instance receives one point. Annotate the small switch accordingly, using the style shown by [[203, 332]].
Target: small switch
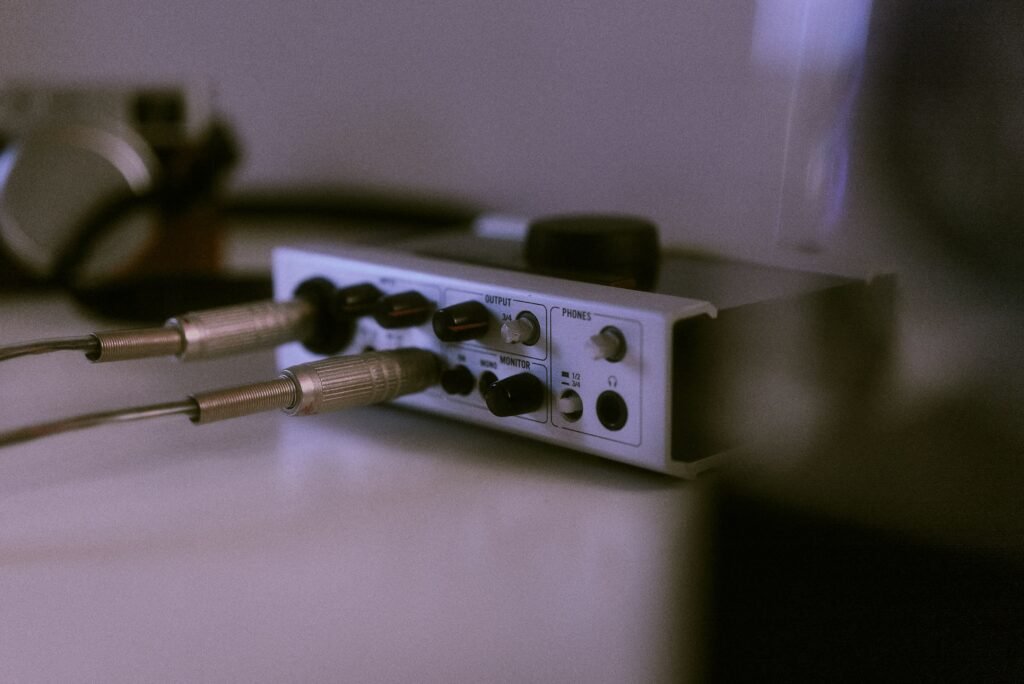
[[487, 378], [570, 405]]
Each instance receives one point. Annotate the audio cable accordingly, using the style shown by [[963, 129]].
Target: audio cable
[[329, 384], [319, 315], [196, 335]]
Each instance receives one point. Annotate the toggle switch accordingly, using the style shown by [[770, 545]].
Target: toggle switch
[[570, 405]]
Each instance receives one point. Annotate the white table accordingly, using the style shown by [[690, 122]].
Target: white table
[[375, 545]]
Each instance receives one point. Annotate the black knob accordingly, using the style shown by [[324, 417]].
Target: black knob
[[515, 395], [465, 321], [458, 380], [330, 333], [356, 300], [608, 249], [402, 310]]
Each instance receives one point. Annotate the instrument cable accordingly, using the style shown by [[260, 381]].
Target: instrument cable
[[329, 384]]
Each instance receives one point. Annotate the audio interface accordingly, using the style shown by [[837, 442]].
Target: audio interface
[[618, 373]]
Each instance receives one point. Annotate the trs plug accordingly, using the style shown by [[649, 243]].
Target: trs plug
[[311, 317], [210, 333], [329, 384]]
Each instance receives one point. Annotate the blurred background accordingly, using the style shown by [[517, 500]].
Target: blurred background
[[839, 135], [688, 113]]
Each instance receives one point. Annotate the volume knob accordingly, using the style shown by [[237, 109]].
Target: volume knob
[[609, 344], [515, 395], [402, 310], [460, 322]]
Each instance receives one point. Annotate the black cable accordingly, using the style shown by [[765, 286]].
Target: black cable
[[328, 384], [87, 344], [153, 298], [95, 225], [192, 178], [349, 204], [186, 407]]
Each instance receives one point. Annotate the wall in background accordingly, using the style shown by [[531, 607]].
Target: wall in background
[[529, 107]]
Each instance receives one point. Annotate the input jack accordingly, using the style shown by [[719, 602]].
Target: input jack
[[612, 410]]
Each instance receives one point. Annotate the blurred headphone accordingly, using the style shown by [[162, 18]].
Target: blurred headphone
[[118, 196]]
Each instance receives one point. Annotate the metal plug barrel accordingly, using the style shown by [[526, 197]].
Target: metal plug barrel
[[329, 384], [347, 381], [235, 329]]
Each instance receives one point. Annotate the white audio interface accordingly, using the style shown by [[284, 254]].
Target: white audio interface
[[595, 368]]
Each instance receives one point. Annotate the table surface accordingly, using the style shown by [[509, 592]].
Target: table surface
[[373, 545]]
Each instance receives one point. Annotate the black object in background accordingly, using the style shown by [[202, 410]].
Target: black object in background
[[804, 597], [603, 248], [947, 124], [180, 268]]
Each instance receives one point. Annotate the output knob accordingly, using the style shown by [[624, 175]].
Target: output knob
[[402, 310], [460, 322], [356, 300], [515, 395], [525, 329]]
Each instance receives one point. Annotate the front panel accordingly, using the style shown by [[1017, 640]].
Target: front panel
[[600, 357]]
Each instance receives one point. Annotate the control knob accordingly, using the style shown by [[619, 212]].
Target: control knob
[[460, 322], [515, 395], [402, 310]]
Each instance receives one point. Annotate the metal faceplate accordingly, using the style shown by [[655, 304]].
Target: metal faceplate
[[624, 405]]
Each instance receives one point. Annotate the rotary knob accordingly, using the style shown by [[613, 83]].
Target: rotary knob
[[609, 344], [609, 249], [515, 395], [356, 300], [524, 329], [402, 310], [460, 322]]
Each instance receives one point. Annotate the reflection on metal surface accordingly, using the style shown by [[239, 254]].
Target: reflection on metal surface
[[51, 178], [816, 49]]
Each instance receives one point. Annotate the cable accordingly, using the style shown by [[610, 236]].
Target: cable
[[25, 434], [329, 384], [195, 176], [195, 335], [88, 344], [343, 204], [190, 190], [320, 316]]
